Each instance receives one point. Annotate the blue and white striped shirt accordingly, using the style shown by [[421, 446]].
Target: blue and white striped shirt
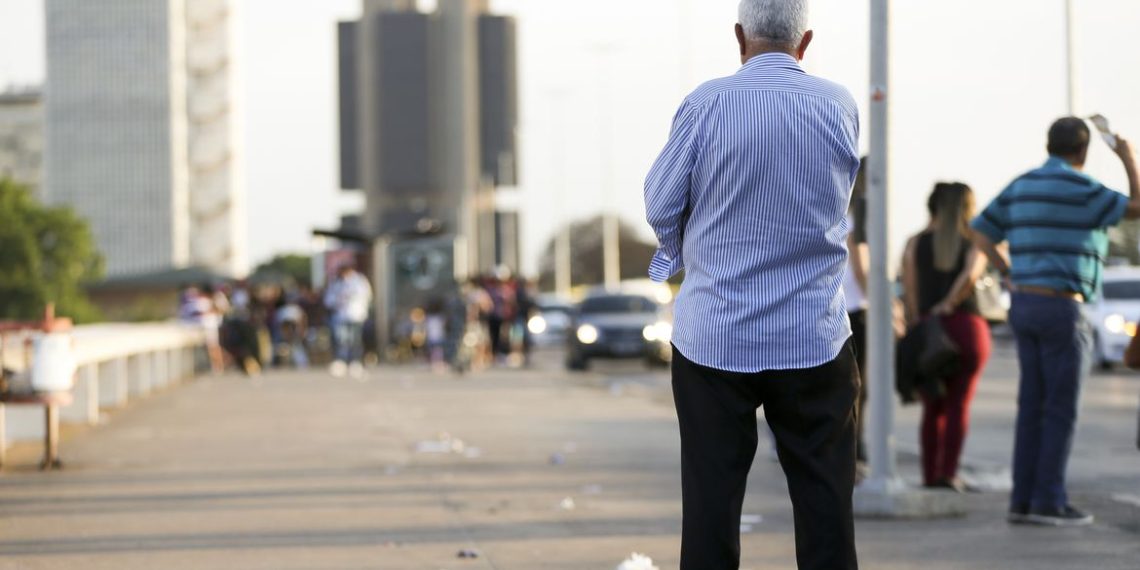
[[749, 197]]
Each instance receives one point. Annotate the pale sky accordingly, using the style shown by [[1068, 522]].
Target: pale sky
[[976, 84]]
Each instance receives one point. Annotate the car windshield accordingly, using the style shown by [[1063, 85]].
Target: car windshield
[[618, 304], [554, 308], [1119, 290]]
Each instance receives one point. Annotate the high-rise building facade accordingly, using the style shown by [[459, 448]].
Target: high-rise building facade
[[140, 131], [428, 116], [22, 136], [217, 198]]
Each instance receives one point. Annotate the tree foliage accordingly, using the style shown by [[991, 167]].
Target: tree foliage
[[287, 267], [1124, 242], [586, 254], [46, 255]]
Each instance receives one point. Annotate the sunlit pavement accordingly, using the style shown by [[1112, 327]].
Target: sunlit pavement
[[538, 469]]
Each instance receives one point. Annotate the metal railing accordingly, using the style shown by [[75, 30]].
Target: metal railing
[[116, 364]]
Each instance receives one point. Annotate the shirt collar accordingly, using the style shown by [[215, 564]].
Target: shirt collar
[[1059, 163], [772, 60]]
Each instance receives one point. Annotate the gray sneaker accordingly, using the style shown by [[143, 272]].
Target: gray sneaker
[[1062, 516], [1018, 515]]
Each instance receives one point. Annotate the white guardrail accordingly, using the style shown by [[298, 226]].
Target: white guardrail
[[116, 363]]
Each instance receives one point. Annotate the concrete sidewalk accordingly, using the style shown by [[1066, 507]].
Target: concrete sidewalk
[[298, 470]]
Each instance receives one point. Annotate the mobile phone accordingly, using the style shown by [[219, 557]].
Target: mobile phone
[[1101, 124]]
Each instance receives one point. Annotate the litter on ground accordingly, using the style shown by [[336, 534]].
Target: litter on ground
[[637, 562]]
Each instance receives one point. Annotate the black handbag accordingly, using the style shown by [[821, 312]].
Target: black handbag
[[924, 359]]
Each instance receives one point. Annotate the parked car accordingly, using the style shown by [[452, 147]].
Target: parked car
[[1115, 315], [619, 326], [550, 322]]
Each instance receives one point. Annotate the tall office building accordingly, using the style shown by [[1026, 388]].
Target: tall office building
[[218, 229], [140, 131], [22, 136], [428, 115]]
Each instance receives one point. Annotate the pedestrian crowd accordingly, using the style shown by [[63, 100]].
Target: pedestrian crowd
[[477, 324], [481, 323], [253, 326]]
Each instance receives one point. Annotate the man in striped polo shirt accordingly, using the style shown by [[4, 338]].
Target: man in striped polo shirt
[[750, 198], [1055, 220]]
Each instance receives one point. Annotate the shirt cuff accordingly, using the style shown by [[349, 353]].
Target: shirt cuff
[[663, 266]]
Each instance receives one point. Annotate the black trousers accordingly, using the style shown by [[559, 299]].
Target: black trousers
[[812, 414], [859, 345]]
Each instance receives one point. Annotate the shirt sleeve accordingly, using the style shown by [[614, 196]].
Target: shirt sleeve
[[1113, 205], [994, 220], [667, 193]]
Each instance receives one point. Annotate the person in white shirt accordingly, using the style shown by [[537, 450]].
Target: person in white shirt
[[199, 306], [349, 299], [854, 293]]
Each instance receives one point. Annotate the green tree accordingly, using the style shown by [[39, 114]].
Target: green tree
[[46, 255], [586, 254], [1124, 242], [287, 267]]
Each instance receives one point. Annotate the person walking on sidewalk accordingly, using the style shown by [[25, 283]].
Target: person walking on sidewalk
[[749, 197], [1054, 219], [348, 298], [940, 267]]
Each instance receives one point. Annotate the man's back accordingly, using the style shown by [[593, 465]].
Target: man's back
[[1055, 218], [769, 156]]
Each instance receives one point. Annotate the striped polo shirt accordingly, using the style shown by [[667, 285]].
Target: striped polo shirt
[[750, 198], [1055, 219]]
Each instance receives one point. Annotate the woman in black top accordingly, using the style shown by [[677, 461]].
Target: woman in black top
[[939, 272]]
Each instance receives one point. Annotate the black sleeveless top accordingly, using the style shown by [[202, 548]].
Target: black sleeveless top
[[934, 285]]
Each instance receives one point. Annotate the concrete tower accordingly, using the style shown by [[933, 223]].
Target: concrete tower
[[428, 117]]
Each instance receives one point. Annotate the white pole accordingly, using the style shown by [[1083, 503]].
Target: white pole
[[1071, 69], [562, 260], [611, 250], [1071, 66], [880, 338], [562, 255]]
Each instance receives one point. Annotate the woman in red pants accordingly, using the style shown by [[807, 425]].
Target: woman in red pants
[[939, 271]]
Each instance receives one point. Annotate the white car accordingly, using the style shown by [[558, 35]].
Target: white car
[[1115, 315], [550, 322]]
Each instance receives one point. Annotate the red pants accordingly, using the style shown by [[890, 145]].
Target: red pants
[[946, 420]]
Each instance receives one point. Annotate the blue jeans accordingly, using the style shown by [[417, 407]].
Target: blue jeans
[[1054, 348], [348, 338]]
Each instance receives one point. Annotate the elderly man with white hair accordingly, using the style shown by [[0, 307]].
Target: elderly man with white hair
[[749, 198]]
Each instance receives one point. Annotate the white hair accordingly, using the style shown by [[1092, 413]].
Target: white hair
[[779, 21]]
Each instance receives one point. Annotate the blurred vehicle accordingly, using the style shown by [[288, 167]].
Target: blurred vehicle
[[550, 322], [1115, 315], [619, 326]]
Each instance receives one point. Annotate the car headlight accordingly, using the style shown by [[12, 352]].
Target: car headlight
[[587, 334], [536, 325], [1115, 324], [660, 331]]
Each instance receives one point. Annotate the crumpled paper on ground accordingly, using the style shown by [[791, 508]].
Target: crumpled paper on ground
[[637, 562]]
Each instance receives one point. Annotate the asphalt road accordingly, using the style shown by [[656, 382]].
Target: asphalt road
[[538, 469]]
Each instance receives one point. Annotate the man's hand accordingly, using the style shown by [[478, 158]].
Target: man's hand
[[1124, 149], [1128, 157], [943, 309]]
